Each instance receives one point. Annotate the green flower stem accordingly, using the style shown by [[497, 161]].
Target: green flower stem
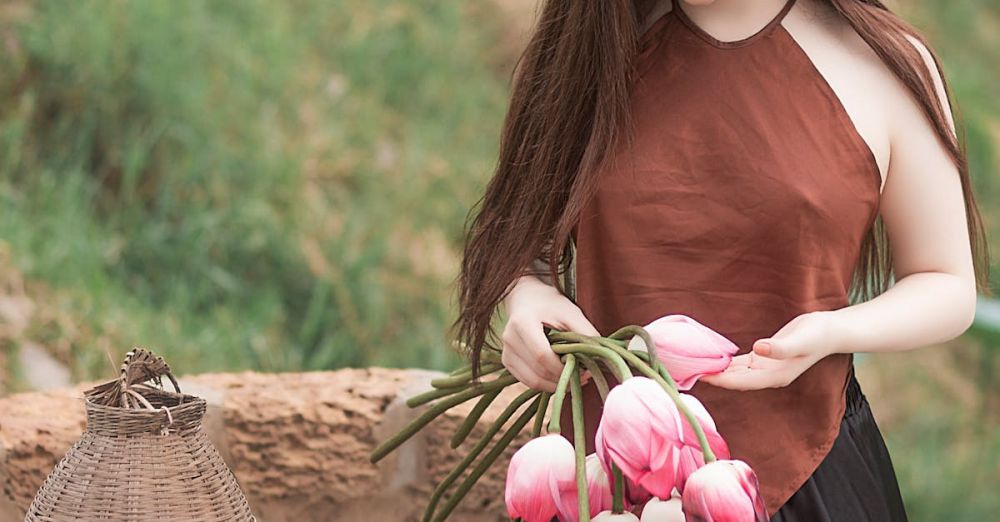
[[436, 410], [560, 395], [476, 450], [645, 358], [634, 358], [580, 446], [487, 461], [464, 377], [626, 332], [667, 383], [618, 365], [473, 418], [432, 395], [618, 493], [543, 406], [596, 374], [572, 337]]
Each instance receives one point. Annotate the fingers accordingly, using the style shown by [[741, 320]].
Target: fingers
[[529, 356], [775, 348], [537, 351], [573, 320], [751, 371], [731, 379], [525, 373], [806, 334], [527, 351]]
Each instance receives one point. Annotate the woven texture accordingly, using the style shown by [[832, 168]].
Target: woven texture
[[144, 456]]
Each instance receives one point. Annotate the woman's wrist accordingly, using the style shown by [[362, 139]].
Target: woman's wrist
[[839, 336]]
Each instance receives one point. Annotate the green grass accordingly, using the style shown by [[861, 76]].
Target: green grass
[[271, 185]]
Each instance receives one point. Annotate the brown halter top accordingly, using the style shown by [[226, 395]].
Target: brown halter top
[[742, 203]]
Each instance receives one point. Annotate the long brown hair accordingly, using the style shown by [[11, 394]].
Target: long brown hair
[[569, 108]]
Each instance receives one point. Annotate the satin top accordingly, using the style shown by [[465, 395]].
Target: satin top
[[742, 202]]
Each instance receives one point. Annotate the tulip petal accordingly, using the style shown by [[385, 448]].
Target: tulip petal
[[724, 491], [533, 469], [688, 349]]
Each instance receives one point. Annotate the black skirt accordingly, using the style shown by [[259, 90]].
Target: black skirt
[[855, 482]]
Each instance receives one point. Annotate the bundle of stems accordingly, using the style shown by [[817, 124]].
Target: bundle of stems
[[579, 353]]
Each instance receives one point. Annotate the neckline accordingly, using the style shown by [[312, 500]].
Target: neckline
[[730, 44]]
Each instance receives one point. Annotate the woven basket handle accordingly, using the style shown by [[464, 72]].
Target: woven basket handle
[[141, 366]]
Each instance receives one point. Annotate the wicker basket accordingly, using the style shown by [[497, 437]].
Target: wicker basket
[[143, 456]]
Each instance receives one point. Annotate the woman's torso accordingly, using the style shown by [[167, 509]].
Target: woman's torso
[[743, 202]]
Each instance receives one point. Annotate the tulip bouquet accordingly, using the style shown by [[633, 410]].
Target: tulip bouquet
[[655, 446]]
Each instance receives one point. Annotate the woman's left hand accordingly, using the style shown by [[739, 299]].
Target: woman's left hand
[[778, 360]]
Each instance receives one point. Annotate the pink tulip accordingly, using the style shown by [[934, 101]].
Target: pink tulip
[[636, 495], [598, 492], [687, 348], [533, 476], [641, 432], [692, 457], [724, 491]]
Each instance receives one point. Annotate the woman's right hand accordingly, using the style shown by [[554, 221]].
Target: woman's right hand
[[527, 354]]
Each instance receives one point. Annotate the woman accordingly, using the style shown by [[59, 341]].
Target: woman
[[765, 167]]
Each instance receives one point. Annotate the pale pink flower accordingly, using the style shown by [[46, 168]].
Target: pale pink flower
[[598, 492], [533, 475], [608, 516], [692, 457], [688, 349], [641, 431], [657, 510], [724, 491]]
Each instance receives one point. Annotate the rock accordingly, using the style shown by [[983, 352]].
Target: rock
[[297, 442], [41, 370]]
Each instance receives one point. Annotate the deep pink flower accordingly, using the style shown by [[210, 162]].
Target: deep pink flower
[[724, 491], [533, 477], [692, 457], [687, 348], [598, 492], [641, 431]]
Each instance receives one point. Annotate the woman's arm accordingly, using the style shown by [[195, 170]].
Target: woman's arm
[[934, 295]]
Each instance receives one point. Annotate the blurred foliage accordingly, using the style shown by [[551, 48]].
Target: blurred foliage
[[246, 184], [283, 185], [946, 444]]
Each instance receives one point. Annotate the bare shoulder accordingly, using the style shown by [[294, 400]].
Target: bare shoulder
[[819, 20], [838, 30], [934, 73]]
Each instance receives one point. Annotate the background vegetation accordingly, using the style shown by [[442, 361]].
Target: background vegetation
[[283, 185]]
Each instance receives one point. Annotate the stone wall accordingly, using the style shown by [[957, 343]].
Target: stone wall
[[297, 442]]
